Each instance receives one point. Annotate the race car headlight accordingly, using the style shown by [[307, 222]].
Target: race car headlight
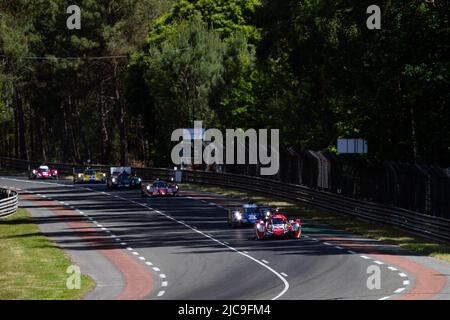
[[114, 180], [104, 174], [139, 179], [238, 215], [267, 213], [148, 188], [80, 175]]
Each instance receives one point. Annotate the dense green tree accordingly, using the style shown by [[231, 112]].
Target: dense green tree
[[180, 73], [310, 68]]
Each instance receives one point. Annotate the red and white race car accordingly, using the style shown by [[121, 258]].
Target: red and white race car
[[160, 189], [278, 226], [43, 172]]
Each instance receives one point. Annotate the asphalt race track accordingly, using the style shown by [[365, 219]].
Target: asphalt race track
[[182, 248]]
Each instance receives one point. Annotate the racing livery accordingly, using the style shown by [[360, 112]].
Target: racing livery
[[121, 177], [247, 215], [160, 188], [88, 176], [278, 226], [43, 172]]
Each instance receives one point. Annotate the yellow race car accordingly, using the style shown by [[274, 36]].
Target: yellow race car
[[88, 176]]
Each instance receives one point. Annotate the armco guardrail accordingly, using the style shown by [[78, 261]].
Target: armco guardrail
[[9, 201], [427, 226]]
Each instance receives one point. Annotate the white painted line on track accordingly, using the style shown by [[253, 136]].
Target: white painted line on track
[[365, 257], [156, 269], [328, 244], [164, 284], [209, 236], [265, 261], [406, 282], [135, 253], [149, 263], [401, 274], [286, 284], [142, 258], [163, 276], [351, 252], [384, 298], [161, 293], [399, 290], [284, 274], [339, 248], [378, 262], [392, 268]]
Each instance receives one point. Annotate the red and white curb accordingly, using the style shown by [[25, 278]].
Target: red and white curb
[[134, 253]]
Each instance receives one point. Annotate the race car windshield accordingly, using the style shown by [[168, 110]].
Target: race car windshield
[[277, 221], [90, 172], [160, 184], [43, 169]]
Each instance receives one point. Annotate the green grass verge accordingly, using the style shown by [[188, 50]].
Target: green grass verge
[[350, 224], [31, 266]]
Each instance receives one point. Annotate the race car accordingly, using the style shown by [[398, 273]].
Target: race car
[[88, 176], [121, 177], [247, 215], [43, 172], [160, 188], [278, 226]]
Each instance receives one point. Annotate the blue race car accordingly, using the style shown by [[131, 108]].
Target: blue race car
[[248, 215], [121, 177]]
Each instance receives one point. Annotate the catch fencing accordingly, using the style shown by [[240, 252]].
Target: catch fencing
[[419, 188]]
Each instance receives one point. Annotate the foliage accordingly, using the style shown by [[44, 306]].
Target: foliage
[[310, 68]]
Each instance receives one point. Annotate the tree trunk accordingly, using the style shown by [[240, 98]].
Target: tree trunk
[[105, 149], [122, 114], [21, 149], [413, 134]]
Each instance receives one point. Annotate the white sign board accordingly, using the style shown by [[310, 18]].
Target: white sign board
[[119, 170], [358, 146]]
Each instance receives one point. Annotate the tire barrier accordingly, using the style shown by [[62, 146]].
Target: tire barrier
[[9, 202]]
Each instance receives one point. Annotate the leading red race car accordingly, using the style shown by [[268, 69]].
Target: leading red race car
[[43, 172], [278, 226]]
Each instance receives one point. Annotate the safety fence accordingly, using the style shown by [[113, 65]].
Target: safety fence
[[419, 188], [427, 226], [434, 227], [9, 201]]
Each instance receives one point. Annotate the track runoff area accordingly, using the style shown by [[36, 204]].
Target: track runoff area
[[181, 248]]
